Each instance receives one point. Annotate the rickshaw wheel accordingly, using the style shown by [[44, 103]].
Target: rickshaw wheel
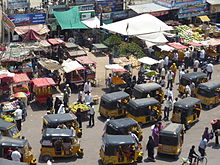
[[45, 158], [139, 159], [80, 154]]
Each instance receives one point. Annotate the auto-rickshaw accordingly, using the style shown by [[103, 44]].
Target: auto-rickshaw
[[195, 77], [120, 149], [171, 140], [144, 110], [209, 93], [15, 143], [9, 129], [186, 111], [152, 89], [59, 143], [113, 104], [10, 162], [54, 120], [123, 127]]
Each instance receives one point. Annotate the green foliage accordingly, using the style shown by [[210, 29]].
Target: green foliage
[[113, 40], [127, 49]]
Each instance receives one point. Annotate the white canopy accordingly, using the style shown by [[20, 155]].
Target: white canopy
[[114, 67], [93, 22], [70, 65], [7, 73], [153, 37], [166, 48], [148, 61], [142, 24]]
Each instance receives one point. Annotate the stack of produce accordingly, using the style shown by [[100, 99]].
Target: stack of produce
[[187, 33], [76, 105]]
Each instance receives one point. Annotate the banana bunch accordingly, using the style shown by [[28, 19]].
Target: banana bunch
[[76, 105]]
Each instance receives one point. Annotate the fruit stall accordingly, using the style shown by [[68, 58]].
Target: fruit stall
[[74, 72], [42, 88], [90, 68]]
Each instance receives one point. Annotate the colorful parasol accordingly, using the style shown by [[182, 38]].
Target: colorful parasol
[[20, 95]]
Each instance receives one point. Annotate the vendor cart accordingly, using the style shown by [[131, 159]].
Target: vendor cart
[[118, 80], [42, 89], [84, 109], [74, 72], [90, 68], [5, 80], [20, 83]]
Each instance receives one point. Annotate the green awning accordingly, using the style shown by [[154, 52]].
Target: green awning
[[69, 19]]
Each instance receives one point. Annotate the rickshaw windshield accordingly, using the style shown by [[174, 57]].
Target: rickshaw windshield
[[184, 82], [207, 93], [13, 131], [168, 140], [143, 111]]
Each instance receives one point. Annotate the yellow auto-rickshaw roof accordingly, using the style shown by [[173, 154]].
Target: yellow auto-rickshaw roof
[[118, 140], [172, 129], [210, 85], [144, 102], [114, 96], [12, 142], [4, 125], [194, 75], [147, 87]]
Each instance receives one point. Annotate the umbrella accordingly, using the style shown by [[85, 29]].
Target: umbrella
[[20, 95]]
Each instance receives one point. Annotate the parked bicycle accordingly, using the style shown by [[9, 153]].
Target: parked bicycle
[[199, 161]]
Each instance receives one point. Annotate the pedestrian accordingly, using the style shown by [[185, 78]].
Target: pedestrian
[[23, 108], [175, 57], [79, 117], [61, 109], [206, 134], [65, 99], [1, 109], [170, 79], [182, 72], [167, 108], [163, 73], [182, 67], [87, 87], [166, 62], [216, 137], [186, 58], [155, 134], [187, 91], [88, 98], [109, 82], [202, 54], [169, 93], [91, 115], [18, 117], [9, 152], [68, 89], [150, 149], [196, 65], [173, 68], [50, 161], [192, 88], [80, 95], [202, 146], [160, 65], [57, 104], [209, 69], [49, 103], [160, 126], [16, 156]]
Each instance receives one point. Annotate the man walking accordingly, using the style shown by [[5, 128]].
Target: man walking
[[18, 117], [209, 69], [91, 115], [170, 79]]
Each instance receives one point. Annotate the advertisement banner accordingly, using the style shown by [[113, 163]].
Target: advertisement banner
[[17, 4], [27, 19], [118, 15], [86, 7], [192, 11], [81, 2], [10, 25], [108, 6]]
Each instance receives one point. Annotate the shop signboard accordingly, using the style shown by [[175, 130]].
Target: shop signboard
[[108, 6], [176, 4], [192, 11], [7, 22], [27, 19], [17, 4], [87, 7], [119, 15], [81, 2]]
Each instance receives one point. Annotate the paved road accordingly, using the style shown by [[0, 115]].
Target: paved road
[[91, 139]]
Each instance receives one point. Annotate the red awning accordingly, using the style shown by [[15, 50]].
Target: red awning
[[85, 60], [20, 77], [42, 82], [31, 35], [195, 44], [3, 76], [177, 45], [119, 70], [56, 41]]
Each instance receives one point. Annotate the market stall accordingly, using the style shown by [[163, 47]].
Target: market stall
[[180, 48], [213, 50], [90, 68], [74, 72], [118, 72], [20, 83], [5, 81], [42, 89], [84, 109]]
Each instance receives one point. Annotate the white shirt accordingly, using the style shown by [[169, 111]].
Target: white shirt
[[163, 72], [209, 67], [203, 143], [161, 64], [80, 95], [16, 156], [18, 114], [187, 53], [169, 94], [61, 109], [170, 75], [202, 54], [181, 67], [196, 64], [187, 89], [87, 87], [166, 60], [181, 74], [49, 162], [175, 56], [88, 98]]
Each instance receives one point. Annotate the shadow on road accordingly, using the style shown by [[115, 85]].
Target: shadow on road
[[167, 158], [102, 119], [213, 145], [36, 106]]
